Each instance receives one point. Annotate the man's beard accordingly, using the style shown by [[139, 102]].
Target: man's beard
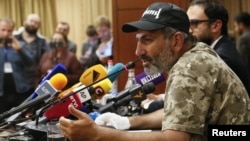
[[163, 62], [31, 30], [206, 37]]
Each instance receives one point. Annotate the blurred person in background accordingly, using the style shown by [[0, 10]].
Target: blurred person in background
[[208, 23], [65, 28], [28, 36], [60, 54], [15, 58], [88, 53], [105, 48], [37, 45], [242, 28]]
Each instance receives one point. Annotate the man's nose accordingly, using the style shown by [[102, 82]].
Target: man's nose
[[139, 49], [190, 30]]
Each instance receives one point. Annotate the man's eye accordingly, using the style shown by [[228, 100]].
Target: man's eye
[[147, 40]]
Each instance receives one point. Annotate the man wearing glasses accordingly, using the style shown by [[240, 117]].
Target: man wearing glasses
[[208, 23]]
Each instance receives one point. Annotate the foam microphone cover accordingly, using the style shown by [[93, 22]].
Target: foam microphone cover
[[101, 88], [93, 74], [58, 81], [115, 71]]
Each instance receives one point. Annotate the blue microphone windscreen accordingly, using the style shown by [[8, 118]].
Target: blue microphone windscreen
[[59, 68], [115, 71]]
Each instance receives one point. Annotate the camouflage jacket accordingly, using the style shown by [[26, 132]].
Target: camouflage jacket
[[202, 90]]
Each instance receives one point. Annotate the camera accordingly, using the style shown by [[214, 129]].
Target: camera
[[5, 41], [56, 44]]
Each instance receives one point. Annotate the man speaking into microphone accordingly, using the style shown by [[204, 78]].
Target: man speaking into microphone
[[200, 90]]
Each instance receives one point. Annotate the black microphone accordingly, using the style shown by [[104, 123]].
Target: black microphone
[[127, 94], [23, 106]]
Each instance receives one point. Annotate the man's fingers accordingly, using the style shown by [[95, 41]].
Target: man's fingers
[[77, 113], [64, 122]]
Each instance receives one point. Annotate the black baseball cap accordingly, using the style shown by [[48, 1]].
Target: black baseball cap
[[159, 15]]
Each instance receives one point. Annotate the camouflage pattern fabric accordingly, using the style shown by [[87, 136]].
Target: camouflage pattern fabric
[[202, 90]]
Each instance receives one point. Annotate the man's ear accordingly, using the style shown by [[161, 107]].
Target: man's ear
[[177, 42], [216, 26]]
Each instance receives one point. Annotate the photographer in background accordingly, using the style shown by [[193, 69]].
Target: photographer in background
[[59, 54], [14, 59]]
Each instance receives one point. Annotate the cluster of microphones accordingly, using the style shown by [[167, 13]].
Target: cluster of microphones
[[49, 102]]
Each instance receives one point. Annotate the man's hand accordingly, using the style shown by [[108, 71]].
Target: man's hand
[[113, 120], [15, 43], [78, 130]]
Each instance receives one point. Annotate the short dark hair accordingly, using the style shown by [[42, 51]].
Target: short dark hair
[[244, 18], [214, 10], [91, 31]]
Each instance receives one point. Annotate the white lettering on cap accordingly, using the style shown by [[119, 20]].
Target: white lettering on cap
[[152, 12]]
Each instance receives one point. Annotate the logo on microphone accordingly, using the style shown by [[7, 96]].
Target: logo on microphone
[[95, 75], [73, 101], [99, 91], [84, 95]]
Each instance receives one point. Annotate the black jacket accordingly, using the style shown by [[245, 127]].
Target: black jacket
[[226, 49]]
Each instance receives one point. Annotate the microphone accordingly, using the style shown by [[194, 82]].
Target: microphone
[[129, 93], [51, 87], [56, 82], [100, 89], [93, 74], [144, 78], [59, 68], [89, 76], [112, 75], [78, 100], [25, 105], [78, 88], [61, 108], [115, 71]]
